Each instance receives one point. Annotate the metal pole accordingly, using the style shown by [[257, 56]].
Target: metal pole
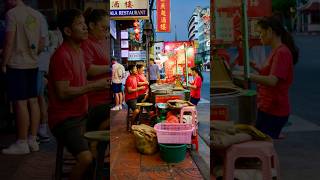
[[186, 63], [147, 56], [245, 39]]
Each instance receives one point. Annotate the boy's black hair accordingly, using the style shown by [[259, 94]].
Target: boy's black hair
[[94, 15], [139, 66], [130, 68], [66, 18]]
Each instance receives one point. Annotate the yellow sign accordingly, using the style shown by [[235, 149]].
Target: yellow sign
[[129, 9]]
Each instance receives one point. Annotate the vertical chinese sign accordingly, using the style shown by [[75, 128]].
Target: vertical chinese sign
[[163, 15]]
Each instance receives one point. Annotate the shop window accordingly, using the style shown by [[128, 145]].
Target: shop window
[[315, 18]]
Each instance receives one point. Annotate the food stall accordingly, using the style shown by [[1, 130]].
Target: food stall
[[234, 26], [231, 97]]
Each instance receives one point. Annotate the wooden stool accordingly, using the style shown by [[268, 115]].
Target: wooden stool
[[103, 138]]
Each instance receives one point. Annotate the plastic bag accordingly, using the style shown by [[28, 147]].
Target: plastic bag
[[145, 139], [172, 118]]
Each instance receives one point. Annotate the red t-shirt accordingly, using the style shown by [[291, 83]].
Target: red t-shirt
[[142, 78], [275, 100], [195, 93], [133, 83], [66, 65], [95, 53]]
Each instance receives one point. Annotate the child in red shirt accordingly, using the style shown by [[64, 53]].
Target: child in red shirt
[[96, 58], [131, 91]]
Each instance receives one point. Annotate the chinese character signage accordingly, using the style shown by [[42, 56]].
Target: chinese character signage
[[163, 15], [227, 23], [129, 9]]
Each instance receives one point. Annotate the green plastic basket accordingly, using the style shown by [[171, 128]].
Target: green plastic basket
[[173, 153]]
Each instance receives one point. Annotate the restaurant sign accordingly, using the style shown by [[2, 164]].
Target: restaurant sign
[[163, 16], [137, 56], [129, 9]]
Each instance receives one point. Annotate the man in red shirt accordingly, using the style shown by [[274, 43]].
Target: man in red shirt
[[67, 88], [131, 91]]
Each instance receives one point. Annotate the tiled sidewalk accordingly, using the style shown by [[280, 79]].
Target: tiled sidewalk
[[128, 163], [34, 166]]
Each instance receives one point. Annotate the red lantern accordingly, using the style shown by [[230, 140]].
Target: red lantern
[[136, 28]]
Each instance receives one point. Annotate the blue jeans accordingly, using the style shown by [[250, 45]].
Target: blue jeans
[[194, 100], [270, 124]]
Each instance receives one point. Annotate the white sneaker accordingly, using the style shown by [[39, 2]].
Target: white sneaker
[[43, 136], [120, 106], [116, 108], [18, 148], [33, 145]]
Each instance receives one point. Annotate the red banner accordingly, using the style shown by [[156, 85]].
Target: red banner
[[163, 15], [219, 113]]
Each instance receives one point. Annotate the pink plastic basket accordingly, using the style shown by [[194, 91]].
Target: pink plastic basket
[[174, 133]]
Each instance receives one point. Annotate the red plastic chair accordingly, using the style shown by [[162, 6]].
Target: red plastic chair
[[252, 149]]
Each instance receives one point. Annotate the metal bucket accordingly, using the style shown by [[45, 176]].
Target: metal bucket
[[227, 96]]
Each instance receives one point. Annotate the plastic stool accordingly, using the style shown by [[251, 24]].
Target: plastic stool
[[252, 149], [193, 111]]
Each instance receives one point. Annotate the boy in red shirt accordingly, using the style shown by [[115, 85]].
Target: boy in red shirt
[[96, 58], [67, 88], [131, 91]]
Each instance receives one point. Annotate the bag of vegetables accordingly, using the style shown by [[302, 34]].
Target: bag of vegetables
[[145, 139]]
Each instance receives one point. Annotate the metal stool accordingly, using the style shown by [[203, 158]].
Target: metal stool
[[61, 161], [144, 115], [129, 120]]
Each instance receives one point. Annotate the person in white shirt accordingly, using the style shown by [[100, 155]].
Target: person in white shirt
[[118, 73]]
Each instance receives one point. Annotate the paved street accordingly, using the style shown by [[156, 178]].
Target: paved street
[[204, 108], [299, 151]]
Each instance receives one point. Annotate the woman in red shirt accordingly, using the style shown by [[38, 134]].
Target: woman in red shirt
[[195, 86], [275, 77], [97, 62], [143, 82]]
